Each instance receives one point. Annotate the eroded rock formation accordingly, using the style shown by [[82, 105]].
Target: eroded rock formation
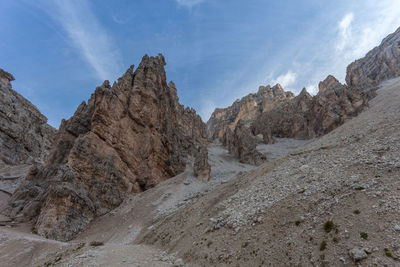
[[129, 137], [246, 109], [381, 63], [25, 136], [242, 143]]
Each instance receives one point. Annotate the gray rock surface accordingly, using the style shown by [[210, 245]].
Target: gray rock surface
[[381, 63], [358, 254], [246, 109], [25, 136]]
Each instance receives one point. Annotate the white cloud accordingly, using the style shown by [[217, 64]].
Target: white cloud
[[188, 3], [286, 79], [312, 89], [358, 35], [345, 30], [88, 36]]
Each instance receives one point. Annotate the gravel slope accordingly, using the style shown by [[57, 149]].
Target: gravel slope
[[275, 214]]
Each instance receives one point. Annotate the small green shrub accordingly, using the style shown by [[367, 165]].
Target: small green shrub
[[297, 222], [364, 235], [356, 212], [328, 226], [96, 243], [322, 247], [388, 253]]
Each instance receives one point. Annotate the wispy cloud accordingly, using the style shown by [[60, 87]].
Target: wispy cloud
[[88, 36], [189, 3], [286, 79], [345, 30]]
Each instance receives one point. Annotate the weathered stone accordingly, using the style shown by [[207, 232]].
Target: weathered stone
[[25, 136], [128, 138], [246, 109], [381, 63], [358, 254], [330, 83], [242, 143]]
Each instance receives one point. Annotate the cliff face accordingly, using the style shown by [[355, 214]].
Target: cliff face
[[307, 117], [128, 138], [381, 63], [25, 136], [246, 109]]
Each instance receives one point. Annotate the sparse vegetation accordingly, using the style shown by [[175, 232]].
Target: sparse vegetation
[[209, 243], [81, 245], [96, 243], [335, 240], [323, 245], [328, 226], [359, 188], [33, 230], [356, 211], [364, 235], [388, 253], [298, 222], [58, 259]]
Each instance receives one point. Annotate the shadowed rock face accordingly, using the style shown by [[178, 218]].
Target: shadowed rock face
[[307, 117], [25, 136], [381, 63], [242, 143], [128, 138], [246, 109]]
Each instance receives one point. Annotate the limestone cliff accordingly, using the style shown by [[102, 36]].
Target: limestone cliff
[[25, 136], [381, 63], [126, 139]]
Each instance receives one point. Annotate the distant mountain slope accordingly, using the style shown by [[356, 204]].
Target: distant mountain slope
[[304, 116]]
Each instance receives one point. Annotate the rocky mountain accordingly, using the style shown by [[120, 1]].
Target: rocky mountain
[[381, 63], [126, 139], [275, 112], [246, 109], [25, 136], [306, 117]]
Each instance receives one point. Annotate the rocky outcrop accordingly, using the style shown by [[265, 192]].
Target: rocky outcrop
[[307, 117], [242, 143], [25, 136], [246, 109], [301, 117], [381, 63], [330, 83], [127, 138]]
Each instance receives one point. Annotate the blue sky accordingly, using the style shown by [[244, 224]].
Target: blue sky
[[216, 50]]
